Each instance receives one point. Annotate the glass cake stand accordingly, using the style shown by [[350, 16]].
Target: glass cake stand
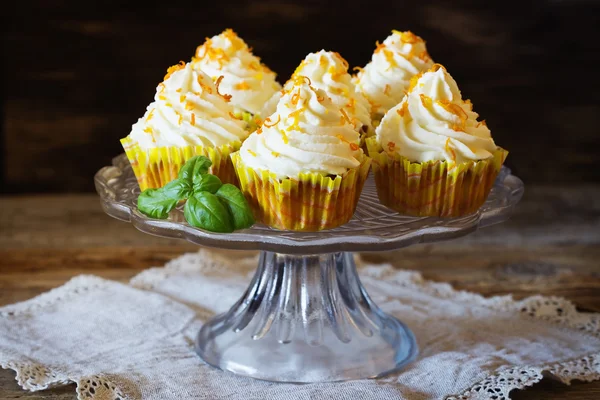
[[306, 316]]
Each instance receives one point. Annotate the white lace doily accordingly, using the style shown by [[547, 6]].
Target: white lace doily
[[135, 341]]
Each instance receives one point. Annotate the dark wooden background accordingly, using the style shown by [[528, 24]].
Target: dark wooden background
[[77, 74]]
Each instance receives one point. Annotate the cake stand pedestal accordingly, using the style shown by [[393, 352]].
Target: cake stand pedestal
[[306, 316]]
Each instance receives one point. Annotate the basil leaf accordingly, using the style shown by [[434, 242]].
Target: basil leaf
[[206, 183], [237, 205], [204, 210], [156, 203], [194, 166], [179, 189]]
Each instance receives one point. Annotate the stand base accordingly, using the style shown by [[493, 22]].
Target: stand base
[[306, 319]]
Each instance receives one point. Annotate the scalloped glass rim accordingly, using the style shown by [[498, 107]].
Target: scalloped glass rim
[[374, 227]]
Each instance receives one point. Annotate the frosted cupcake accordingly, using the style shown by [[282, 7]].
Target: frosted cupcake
[[249, 82], [384, 80], [328, 71], [303, 169], [431, 155], [188, 117]]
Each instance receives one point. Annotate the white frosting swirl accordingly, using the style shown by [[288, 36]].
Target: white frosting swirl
[[433, 122], [395, 61], [187, 110], [249, 82], [306, 134], [328, 71]]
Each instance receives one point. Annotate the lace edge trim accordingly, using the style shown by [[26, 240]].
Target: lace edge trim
[[499, 385], [35, 377]]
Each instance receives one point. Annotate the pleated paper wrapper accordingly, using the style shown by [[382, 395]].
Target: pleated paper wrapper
[[312, 202], [158, 166], [433, 188]]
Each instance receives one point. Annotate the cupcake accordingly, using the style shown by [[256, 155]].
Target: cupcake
[[384, 80], [328, 71], [431, 156], [303, 169], [249, 82], [189, 116]]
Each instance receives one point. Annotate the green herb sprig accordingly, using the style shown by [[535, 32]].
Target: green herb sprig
[[210, 204]]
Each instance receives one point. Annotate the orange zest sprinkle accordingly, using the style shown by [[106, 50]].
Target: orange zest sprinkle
[[253, 154], [373, 104], [345, 116], [413, 81], [342, 59], [391, 146], [284, 137], [174, 68], [275, 154], [351, 103], [162, 97], [299, 68], [254, 65], [232, 115], [426, 100], [178, 90], [387, 89], [257, 120], [227, 97], [295, 97], [409, 37], [322, 60], [450, 150], [353, 146], [180, 118], [389, 56], [424, 56], [150, 114], [482, 123], [296, 116], [193, 119], [217, 54], [402, 110], [182, 98], [436, 67], [162, 87], [243, 85], [454, 109], [189, 105], [300, 79], [274, 123], [168, 104], [259, 130], [149, 131], [359, 69], [379, 47], [204, 86]]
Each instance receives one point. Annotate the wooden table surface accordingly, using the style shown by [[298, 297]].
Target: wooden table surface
[[550, 247]]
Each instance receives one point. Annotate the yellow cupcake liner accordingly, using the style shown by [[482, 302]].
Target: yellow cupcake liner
[[312, 202], [433, 188], [158, 166]]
